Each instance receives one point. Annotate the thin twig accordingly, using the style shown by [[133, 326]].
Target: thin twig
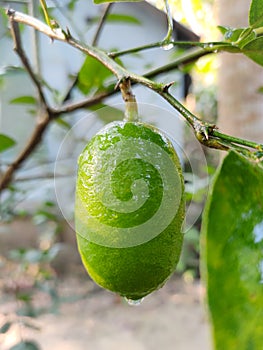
[[58, 34], [43, 119], [207, 48], [15, 1], [94, 43], [188, 57], [101, 24], [33, 11], [31, 145], [85, 103], [169, 35], [207, 133], [237, 140], [21, 53], [66, 37]]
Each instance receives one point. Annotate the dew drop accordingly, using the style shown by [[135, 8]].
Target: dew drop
[[168, 47], [208, 46], [228, 34], [133, 302]]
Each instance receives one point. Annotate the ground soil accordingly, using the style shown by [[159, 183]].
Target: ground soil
[[89, 318]]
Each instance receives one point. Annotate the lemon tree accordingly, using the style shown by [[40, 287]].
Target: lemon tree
[[129, 204]]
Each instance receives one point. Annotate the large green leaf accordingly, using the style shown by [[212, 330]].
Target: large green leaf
[[232, 254], [254, 50], [256, 13]]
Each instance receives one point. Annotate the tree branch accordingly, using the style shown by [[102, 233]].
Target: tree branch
[[94, 43], [205, 132], [184, 59], [18, 48], [31, 145], [43, 119], [169, 36], [85, 103], [101, 24], [66, 37]]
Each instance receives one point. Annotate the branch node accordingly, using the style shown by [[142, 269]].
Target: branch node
[[111, 54], [122, 80], [167, 86], [203, 130], [131, 108], [67, 34], [10, 12]]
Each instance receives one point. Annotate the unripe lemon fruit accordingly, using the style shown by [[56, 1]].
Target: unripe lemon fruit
[[129, 208]]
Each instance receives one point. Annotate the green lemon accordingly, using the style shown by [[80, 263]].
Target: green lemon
[[129, 208]]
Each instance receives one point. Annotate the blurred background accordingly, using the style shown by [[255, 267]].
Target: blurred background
[[47, 299]]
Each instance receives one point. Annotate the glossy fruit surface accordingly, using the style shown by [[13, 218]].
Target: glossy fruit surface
[[129, 208]]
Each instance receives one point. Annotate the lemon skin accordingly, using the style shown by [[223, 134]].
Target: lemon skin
[[134, 271]]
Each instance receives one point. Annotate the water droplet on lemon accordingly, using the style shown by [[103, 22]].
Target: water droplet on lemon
[[133, 302]]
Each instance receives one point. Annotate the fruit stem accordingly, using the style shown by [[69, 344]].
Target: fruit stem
[[131, 108]]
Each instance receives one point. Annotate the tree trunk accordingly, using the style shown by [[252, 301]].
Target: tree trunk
[[240, 111]]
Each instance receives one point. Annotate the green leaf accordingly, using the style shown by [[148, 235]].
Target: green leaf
[[119, 18], [232, 254], [5, 327], [238, 36], [103, 1], [6, 142], [232, 34], [9, 70], [223, 29], [71, 5], [62, 122], [246, 36], [256, 13], [107, 113], [92, 75], [24, 100], [124, 18], [254, 50], [25, 345]]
